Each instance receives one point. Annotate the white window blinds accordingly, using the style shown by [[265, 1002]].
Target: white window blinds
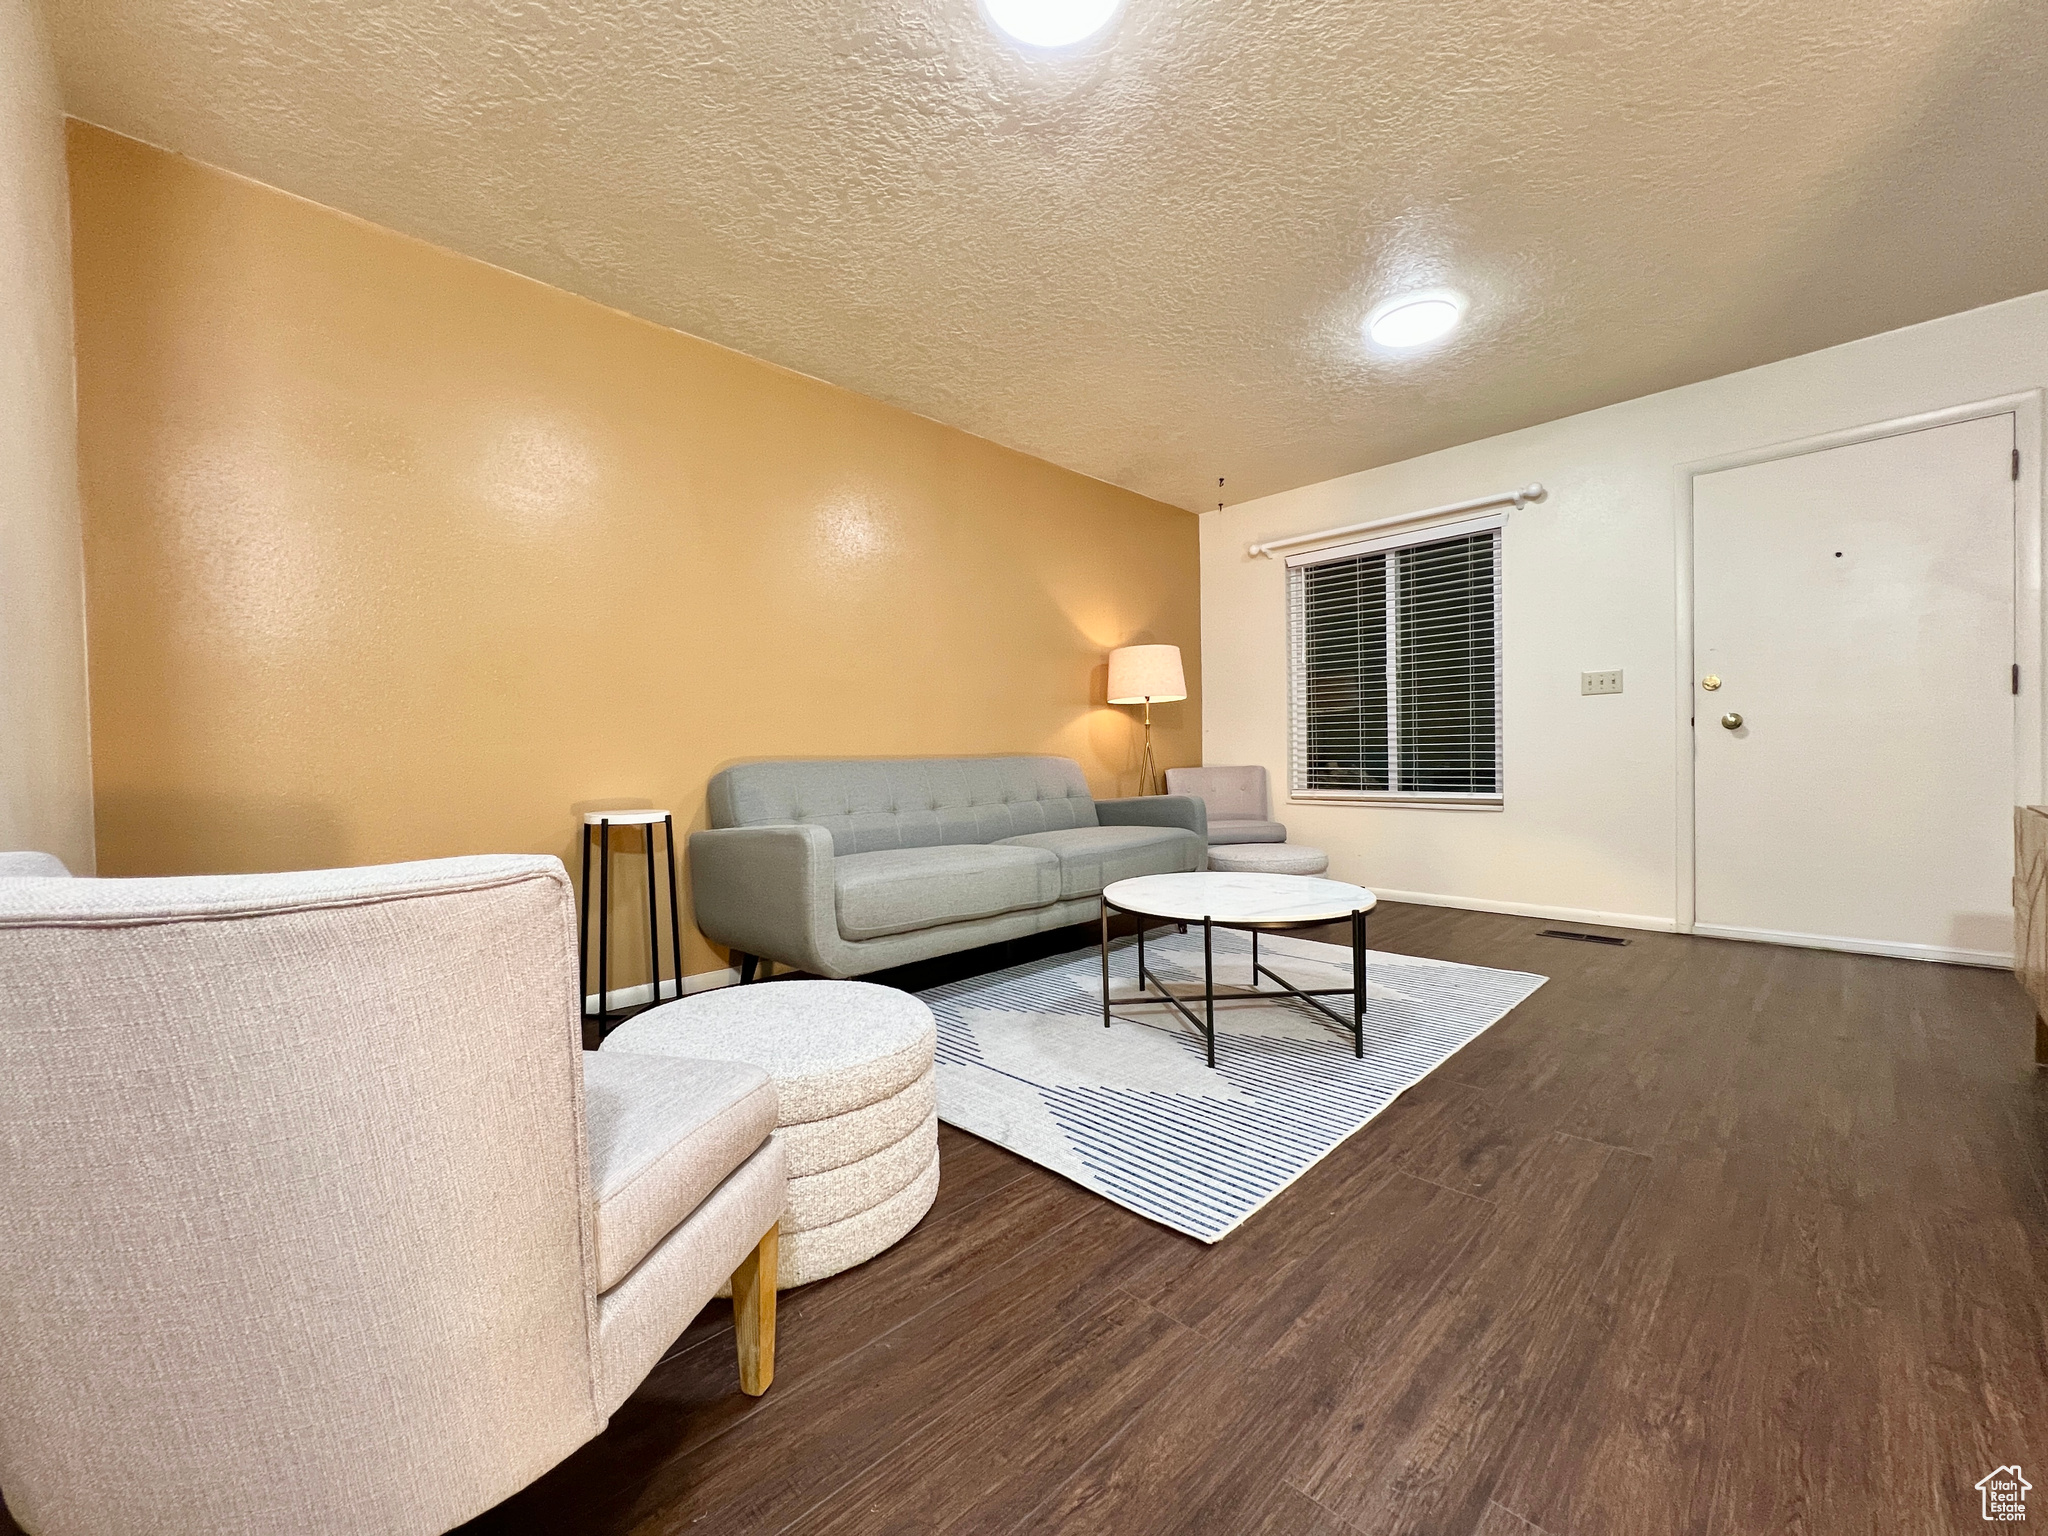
[[1395, 660]]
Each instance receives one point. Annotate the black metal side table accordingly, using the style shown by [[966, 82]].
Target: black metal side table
[[601, 823]]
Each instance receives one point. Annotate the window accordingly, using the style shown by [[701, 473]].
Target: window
[[1394, 651]]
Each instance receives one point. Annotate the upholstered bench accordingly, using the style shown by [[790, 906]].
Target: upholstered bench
[[858, 1119], [1269, 859]]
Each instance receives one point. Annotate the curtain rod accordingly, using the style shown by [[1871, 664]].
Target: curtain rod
[[1518, 498]]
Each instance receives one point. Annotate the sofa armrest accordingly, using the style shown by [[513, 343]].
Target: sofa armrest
[[1188, 811], [767, 891]]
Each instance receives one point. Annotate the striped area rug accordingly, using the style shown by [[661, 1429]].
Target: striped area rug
[[1132, 1112]]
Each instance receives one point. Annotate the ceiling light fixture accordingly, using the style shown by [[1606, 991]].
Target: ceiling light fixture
[[1049, 23], [1414, 320]]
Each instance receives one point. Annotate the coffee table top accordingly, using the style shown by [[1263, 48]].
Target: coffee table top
[[1228, 896]]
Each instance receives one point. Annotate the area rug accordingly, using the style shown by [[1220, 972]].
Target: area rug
[[1132, 1113]]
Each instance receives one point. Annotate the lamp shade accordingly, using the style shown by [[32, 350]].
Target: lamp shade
[[1141, 673]]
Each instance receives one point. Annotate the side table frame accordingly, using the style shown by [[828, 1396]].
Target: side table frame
[[606, 1017]]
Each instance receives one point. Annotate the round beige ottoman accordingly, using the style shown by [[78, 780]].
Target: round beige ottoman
[[852, 1064], [1268, 859]]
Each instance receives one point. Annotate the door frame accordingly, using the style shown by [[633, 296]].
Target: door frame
[[2030, 637]]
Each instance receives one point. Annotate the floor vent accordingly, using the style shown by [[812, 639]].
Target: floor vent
[[1583, 938]]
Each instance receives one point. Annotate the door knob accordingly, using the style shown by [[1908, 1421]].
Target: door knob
[[1731, 722], [1710, 682]]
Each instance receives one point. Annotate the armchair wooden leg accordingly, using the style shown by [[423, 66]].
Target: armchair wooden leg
[[753, 1313]]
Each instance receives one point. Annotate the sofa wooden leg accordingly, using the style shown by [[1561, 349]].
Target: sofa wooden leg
[[747, 965], [753, 1313], [2040, 1041]]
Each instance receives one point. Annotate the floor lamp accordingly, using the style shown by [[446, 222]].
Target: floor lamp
[[1147, 675]]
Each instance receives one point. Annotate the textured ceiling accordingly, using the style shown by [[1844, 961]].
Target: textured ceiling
[[1149, 260]]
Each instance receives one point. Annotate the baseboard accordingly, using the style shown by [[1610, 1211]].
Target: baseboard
[[1990, 959], [1531, 909], [622, 998]]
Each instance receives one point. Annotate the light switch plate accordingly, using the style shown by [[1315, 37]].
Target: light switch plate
[[1600, 682]]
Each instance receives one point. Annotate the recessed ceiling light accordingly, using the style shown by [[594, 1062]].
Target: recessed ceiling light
[[1050, 23], [1414, 319]]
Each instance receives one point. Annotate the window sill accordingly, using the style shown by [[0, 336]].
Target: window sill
[[1417, 802]]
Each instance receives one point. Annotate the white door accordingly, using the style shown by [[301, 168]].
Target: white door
[[1856, 606]]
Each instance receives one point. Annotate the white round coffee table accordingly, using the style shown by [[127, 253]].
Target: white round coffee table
[[1256, 903]]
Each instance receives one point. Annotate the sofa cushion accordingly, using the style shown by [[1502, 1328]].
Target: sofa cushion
[[1092, 857], [1245, 829], [1236, 793], [898, 890], [664, 1133], [908, 802]]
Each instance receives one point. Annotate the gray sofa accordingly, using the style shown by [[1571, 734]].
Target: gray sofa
[[840, 868]]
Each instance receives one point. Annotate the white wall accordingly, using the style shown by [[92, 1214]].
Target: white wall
[[1590, 828], [45, 764]]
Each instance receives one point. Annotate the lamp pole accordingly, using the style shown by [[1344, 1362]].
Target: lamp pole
[[1148, 770]]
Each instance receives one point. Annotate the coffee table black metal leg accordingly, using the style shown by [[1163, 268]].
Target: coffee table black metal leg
[[1255, 959], [1209, 986], [1358, 983], [1105, 964]]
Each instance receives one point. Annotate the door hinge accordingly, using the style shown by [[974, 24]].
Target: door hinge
[[2015, 677], [2015, 463]]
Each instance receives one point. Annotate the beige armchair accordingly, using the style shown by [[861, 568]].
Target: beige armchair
[[1236, 797], [315, 1216]]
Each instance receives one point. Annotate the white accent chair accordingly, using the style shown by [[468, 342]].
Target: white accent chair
[[314, 1214], [1238, 808]]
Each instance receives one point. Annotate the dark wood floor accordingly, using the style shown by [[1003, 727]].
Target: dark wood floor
[[1704, 1237]]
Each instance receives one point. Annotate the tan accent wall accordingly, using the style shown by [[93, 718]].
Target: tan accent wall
[[45, 769], [392, 554]]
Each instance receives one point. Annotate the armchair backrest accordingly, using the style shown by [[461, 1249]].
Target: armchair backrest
[[1233, 793], [906, 802], [294, 1215]]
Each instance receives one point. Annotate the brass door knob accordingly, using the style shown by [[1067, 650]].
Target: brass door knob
[[1731, 722], [1710, 682]]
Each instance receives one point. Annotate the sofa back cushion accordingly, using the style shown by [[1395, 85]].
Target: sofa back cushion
[[907, 802], [1232, 794]]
